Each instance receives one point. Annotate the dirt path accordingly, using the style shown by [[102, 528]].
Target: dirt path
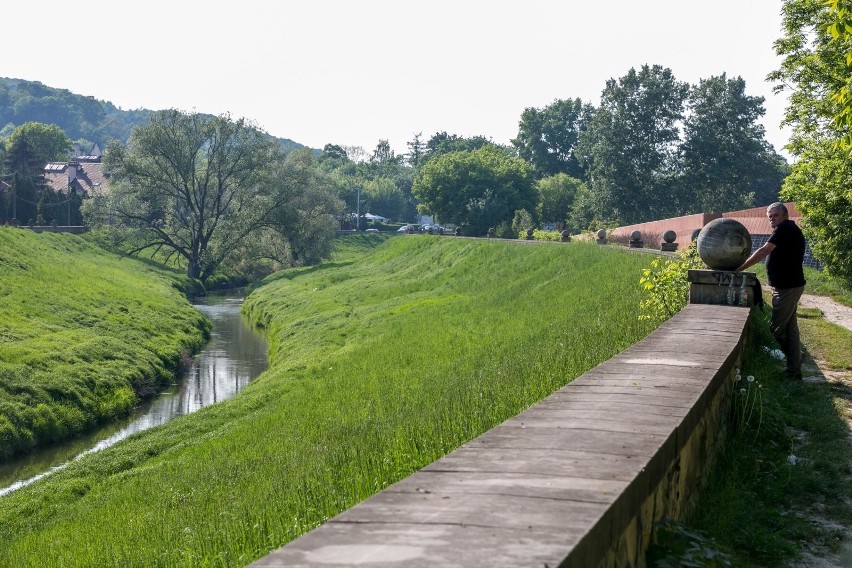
[[833, 312], [841, 381]]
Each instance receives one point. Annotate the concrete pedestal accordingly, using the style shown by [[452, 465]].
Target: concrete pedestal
[[722, 287]]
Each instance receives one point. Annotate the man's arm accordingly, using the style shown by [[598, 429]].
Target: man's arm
[[757, 256]]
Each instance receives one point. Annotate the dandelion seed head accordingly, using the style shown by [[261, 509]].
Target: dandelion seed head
[[750, 378]]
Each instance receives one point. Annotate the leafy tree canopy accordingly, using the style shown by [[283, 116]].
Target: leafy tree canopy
[[556, 195], [726, 162], [816, 64], [631, 144], [48, 142], [194, 186], [547, 137], [442, 143], [475, 189], [80, 117]]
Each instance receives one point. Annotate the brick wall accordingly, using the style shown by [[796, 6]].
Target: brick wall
[[754, 220]]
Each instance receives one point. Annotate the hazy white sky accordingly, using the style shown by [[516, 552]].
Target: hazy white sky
[[354, 72]]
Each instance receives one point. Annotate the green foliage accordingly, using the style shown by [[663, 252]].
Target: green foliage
[[556, 197], [727, 164], [640, 167], [476, 189], [631, 145], [47, 142], [382, 360], [76, 115], [666, 286], [548, 137], [82, 334], [84, 119], [747, 405], [821, 186], [840, 29], [816, 61], [781, 459], [25, 195], [521, 222], [209, 191], [442, 143], [381, 186], [678, 545], [821, 283], [540, 235]]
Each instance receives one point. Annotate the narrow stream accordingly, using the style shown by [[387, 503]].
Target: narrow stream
[[235, 355]]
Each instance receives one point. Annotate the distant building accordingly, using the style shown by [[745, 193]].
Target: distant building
[[85, 178], [78, 154]]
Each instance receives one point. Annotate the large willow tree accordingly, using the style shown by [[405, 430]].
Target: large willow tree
[[194, 186]]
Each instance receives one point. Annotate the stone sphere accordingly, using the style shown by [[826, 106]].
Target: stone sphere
[[601, 233], [635, 236], [669, 236], [724, 244]]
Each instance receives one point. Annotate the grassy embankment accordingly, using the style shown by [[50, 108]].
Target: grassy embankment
[[381, 361], [82, 334]]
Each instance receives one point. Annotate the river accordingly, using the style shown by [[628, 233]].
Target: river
[[235, 354]]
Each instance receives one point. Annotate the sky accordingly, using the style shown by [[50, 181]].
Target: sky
[[355, 72]]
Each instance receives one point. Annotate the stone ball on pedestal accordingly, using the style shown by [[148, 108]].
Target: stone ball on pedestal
[[724, 244], [669, 236]]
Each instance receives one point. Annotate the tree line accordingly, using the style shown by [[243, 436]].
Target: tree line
[[211, 192]]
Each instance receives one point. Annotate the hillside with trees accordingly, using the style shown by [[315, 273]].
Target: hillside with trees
[[85, 120]]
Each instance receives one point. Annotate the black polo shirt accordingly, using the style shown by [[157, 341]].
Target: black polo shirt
[[784, 263]]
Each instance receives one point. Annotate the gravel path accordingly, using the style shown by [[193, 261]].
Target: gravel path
[[817, 371], [833, 312]]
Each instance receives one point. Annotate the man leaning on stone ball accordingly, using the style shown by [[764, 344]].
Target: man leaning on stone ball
[[784, 253]]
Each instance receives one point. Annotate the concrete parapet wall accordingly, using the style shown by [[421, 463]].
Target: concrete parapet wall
[[577, 480]]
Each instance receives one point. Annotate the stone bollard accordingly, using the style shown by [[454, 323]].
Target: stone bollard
[[601, 234], [723, 245], [636, 240], [669, 245], [530, 233], [458, 231], [566, 236], [491, 232]]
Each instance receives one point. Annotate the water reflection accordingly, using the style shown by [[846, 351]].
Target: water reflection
[[234, 356]]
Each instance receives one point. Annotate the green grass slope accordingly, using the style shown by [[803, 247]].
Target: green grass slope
[[82, 334], [382, 360]]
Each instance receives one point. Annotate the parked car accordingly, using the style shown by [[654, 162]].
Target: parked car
[[404, 229], [371, 231], [434, 229]]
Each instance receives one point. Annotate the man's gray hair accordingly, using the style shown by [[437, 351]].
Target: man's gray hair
[[778, 205]]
